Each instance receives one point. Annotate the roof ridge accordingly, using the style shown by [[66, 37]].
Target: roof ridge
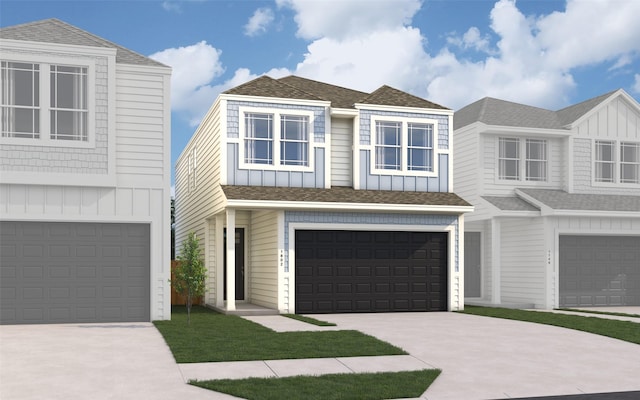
[[297, 88]]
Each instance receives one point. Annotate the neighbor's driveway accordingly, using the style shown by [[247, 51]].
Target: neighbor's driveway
[[90, 361], [490, 358]]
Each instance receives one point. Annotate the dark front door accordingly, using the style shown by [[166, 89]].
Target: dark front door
[[363, 271], [239, 239]]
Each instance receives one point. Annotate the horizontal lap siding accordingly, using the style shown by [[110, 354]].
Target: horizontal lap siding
[[341, 152], [263, 247], [523, 261], [140, 119]]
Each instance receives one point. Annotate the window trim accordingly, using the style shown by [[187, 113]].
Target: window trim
[[45, 62], [617, 163], [404, 146], [523, 160], [277, 114]]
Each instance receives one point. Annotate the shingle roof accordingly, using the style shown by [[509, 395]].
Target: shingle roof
[[388, 96], [505, 113], [55, 31], [561, 200], [295, 87], [510, 203], [342, 195]]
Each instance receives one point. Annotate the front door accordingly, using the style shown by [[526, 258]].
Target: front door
[[239, 239], [472, 272]]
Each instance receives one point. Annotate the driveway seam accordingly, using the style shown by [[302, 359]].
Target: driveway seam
[[345, 365], [271, 369]]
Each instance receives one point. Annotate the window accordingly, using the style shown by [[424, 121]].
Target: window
[[275, 139], [629, 162], [43, 101], [514, 164], [403, 145], [605, 162]]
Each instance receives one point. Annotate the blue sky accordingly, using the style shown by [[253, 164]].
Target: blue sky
[[545, 53]]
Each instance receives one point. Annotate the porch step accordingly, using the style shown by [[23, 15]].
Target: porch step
[[485, 303], [245, 310]]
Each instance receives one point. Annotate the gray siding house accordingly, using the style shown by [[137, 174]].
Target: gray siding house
[[557, 202], [339, 200], [84, 178]]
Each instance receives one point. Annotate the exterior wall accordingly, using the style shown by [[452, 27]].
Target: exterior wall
[[484, 227], [523, 273], [263, 266], [374, 221], [341, 152], [380, 181]]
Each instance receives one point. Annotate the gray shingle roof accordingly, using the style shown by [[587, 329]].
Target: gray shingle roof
[[342, 195], [265, 86], [339, 97], [510, 203], [505, 113], [55, 31], [388, 96], [561, 200]]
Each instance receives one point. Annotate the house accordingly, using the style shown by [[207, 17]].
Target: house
[[557, 202], [84, 178], [339, 200]]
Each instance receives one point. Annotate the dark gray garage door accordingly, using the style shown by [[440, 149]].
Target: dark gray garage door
[[73, 272], [599, 271], [361, 271]]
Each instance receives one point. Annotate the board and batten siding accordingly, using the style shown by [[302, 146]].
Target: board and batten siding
[[376, 181], [142, 127], [523, 263], [342, 152], [263, 250]]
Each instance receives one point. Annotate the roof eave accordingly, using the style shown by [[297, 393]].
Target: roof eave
[[279, 100], [519, 130], [421, 110], [13, 44], [377, 207]]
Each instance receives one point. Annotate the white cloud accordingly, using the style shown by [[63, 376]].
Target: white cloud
[[169, 5], [349, 19], [636, 84], [259, 22], [471, 39]]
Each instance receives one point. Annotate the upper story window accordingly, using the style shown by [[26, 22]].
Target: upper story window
[[404, 146], [514, 164], [624, 168], [276, 138], [44, 101]]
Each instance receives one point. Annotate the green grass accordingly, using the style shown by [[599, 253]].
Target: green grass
[[309, 320], [387, 385], [600, 312], [623, 330], [217, 337]]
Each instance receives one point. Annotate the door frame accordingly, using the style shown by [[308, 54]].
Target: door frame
[[243, 267]]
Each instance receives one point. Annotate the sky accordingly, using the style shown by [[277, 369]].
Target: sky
[[544, 53]]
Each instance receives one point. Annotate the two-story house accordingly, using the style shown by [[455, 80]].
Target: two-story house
[[557, 202], [339, 200], [84, 178]]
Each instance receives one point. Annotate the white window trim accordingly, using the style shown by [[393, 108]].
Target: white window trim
[[404, 168], [616, 165], [277, 113], [45, 61], [522, 156]]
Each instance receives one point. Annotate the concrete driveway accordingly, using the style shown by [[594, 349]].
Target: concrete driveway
[[90, 361], [490, 358]]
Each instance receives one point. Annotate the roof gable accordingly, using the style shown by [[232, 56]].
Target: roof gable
[[56, 31], [388, 96]]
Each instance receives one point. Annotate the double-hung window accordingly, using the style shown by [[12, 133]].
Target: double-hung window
[[405, 146], [629, 162], [276, 138], [44, 101], [605, 161], [617, 162], [514, 164]]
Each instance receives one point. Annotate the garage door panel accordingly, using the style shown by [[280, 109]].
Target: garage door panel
[[388, 271], [74, 272]]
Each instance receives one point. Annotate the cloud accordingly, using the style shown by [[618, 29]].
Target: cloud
[[349, 19], [171, 6], [471, 39], [636, 84], [259, 22]]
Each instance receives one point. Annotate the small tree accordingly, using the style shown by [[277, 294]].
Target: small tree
[[189, 275]]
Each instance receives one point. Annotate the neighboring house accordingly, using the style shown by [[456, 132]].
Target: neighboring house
[[557, 202], [84, 178], [339, 200]]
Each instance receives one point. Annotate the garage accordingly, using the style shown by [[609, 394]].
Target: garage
[[599, 271], [339, 271], [54, 272]]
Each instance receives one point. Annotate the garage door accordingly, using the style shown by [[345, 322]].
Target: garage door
[[599, 271], [361, 271], [73, 272]]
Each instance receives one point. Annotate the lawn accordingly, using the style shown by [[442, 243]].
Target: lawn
[[387, 385], [623, 330], [217, 337]]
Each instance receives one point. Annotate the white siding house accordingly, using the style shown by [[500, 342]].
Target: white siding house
[[341, 201], [84, 178], [557, 202]]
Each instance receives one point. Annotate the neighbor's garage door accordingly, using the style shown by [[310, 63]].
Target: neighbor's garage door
[[73, 272], [361, 271], [599, 271]]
